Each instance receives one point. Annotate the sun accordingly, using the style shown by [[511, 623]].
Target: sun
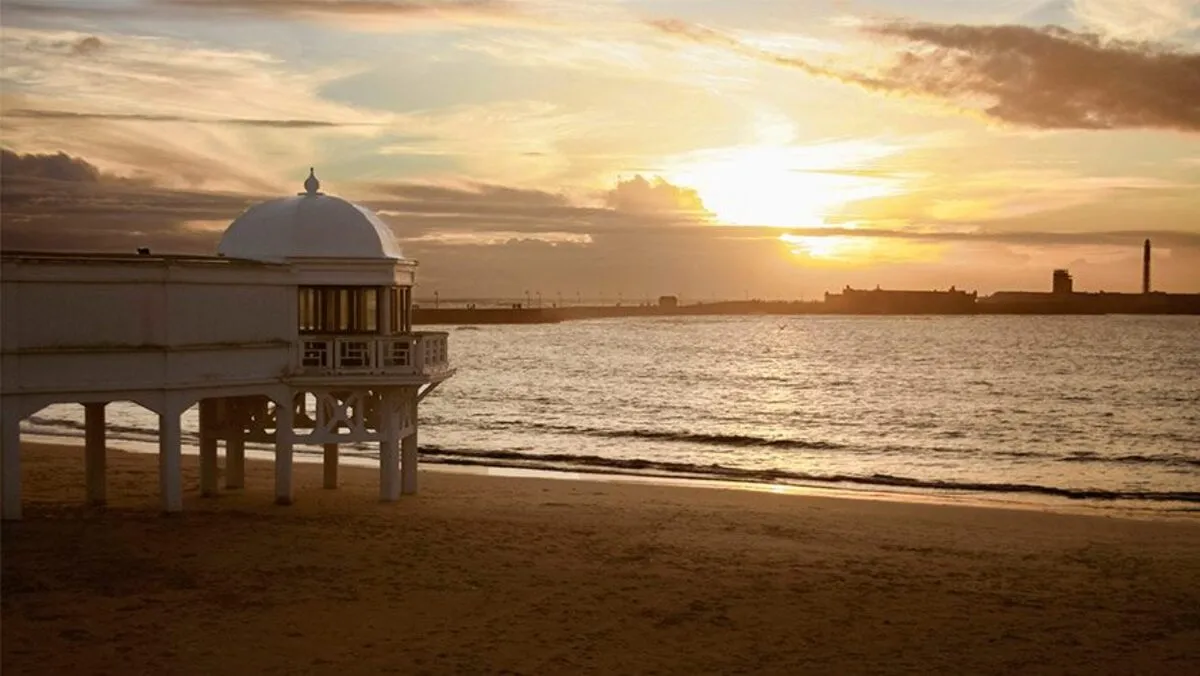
[[830, 248], [855, 250], [818, 247], [781, 186]]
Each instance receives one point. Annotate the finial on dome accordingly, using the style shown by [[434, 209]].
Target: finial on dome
[[311, 184]]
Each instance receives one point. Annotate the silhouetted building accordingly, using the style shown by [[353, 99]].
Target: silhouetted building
[[668, 302], [1063, 284], [1065, 300], [883, 301]]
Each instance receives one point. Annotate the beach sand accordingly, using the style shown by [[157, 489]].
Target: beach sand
[[483, 574]]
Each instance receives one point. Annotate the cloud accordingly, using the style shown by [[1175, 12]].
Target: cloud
[[172, 112], [421, 208], [55, 167], [708, 36], [362, 13], [87, 46], [444, 211], [66, 115], [1048, 78], [522, 141], [370, 15], [638, 195], [1036, 195], [192, 117], [614, 48], [367, 7], [1141, 20], [495, 240], [1170, 238], [53, 201]]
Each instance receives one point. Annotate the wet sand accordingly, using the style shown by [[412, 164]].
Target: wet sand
[[482, 574]]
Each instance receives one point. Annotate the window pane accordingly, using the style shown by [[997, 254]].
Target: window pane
[[329, 295], [370, 310], [300, 310], [343, 311], [397, 320], [310, 310], [405, 311]]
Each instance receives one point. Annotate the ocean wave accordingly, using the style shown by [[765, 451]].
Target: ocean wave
[[752, 441], [705, 439], [742, 441], [716, 471], [76, 428], [1180, 460], [599, 464], [728, 440]]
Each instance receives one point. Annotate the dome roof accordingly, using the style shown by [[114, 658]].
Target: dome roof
[[309, 225]]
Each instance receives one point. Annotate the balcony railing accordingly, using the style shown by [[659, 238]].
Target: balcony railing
[[422, 353]]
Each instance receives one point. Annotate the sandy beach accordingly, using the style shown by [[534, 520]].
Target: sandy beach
[[482, 574]]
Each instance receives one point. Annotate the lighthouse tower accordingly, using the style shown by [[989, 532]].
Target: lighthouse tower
[[1146, 267]]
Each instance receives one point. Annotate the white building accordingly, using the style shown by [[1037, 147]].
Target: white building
[[297, 332]]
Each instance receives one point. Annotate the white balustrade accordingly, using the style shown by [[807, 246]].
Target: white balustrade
[[422, 353]]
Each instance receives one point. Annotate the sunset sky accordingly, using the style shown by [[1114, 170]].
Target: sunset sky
[[776, 148]]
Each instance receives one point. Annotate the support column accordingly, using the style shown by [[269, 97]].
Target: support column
[[331, 465], [10, 462], [95, 458], [235, 444], [409, 451], [170, 463], [209, 470], [283, 452], [389, 462], [235, 460]]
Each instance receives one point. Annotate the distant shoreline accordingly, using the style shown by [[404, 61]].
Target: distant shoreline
[[552, 315]]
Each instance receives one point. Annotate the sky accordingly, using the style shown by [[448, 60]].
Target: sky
[[626, 148]]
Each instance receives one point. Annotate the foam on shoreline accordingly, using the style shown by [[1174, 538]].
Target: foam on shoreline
[[491, 465]]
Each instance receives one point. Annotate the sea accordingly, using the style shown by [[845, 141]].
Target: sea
[[1097, 410]]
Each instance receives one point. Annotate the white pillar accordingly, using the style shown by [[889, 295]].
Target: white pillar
[[235, 445], [235, 460], [408, 476], [283, 452], [209, 470], [10, 464], [389, 463], [94, 454], [170, 462], [331, 466]]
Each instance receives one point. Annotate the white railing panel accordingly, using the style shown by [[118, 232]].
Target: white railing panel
[[424, 353], [355, 353], [396, 353], [316, 354]]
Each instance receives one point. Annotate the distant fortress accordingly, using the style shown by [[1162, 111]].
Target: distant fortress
[[1062, 299]]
